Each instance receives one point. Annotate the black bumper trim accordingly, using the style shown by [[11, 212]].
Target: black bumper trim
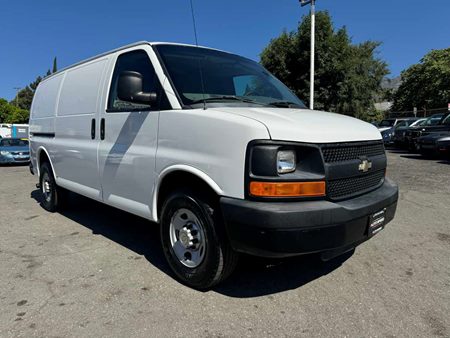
[[292, 228], [40, 134]]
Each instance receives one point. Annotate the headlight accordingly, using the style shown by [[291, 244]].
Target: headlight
[[286, 161], [4, 152]]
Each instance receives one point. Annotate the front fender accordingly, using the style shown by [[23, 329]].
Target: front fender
[[181, 168]]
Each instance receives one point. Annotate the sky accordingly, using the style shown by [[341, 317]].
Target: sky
[[33, 32]]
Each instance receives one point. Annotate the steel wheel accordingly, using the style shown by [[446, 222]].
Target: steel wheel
[[53, 197], [187, 238], [194, 239], [46, 187]]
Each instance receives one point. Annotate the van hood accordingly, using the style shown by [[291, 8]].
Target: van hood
[[305, 125]]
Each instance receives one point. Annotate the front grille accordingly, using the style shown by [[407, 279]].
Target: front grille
[[348, 152], [17, 153], [350, 186]]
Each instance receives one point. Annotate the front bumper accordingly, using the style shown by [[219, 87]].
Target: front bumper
[[443, 147], [388, 140], [283, 229], [399, 138], [14, 159]]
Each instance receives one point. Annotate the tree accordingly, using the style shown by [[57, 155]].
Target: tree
[[55, 67], [12, 114], [425, 85], [24, 98], [22, 101], [348, 76]]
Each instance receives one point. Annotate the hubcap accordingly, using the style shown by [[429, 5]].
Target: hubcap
[[187, 238], [46, 187]]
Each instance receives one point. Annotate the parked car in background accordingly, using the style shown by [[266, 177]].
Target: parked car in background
[[443, 146], [14, 150], [386, 124], [387, 136], [413, 133], [427, 145], [399, 137], [387, 127]]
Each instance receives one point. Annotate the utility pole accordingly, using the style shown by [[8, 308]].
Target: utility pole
[[313, 40], [17, 96]]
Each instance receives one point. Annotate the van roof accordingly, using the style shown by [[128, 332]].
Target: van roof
[[139, 43]]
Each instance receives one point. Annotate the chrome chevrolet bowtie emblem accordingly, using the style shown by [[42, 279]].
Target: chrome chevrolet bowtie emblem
[[365, 166]]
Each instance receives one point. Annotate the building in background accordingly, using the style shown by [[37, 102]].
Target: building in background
[[14, 130]]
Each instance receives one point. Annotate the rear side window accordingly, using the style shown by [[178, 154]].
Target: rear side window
[[136, 61]]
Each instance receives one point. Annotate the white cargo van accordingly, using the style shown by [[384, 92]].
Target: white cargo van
[[213, 148]]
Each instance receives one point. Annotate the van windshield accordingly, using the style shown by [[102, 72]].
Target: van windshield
[[208, 76]]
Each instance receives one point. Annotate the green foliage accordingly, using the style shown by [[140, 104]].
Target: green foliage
[[17, 111], [388, 94], [24, 98], [12, 114], [347, 77], [425, 85], [55, 67], [375, 115]]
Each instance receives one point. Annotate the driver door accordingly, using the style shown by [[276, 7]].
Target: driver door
[[127, 149]]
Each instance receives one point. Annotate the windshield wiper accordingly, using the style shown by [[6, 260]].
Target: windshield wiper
[[285, 104], [227, 98]]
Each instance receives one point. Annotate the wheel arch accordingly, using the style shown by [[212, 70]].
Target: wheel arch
[[173, 175], [42, 155]]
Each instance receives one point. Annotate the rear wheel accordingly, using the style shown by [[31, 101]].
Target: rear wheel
[[53, 197], [194, 240]]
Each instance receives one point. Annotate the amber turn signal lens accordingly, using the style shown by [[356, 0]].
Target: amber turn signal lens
[[287, 189]]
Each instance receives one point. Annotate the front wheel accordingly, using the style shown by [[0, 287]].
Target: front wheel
[[194, 240]]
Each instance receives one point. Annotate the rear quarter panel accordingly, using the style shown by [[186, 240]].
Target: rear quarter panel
[[42, 116]]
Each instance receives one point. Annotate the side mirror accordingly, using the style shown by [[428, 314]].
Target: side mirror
[[129, 88]]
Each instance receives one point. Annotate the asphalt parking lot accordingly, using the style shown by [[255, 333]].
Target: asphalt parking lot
[[93, 271]]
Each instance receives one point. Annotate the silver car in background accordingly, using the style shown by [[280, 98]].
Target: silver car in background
[[14, 150]]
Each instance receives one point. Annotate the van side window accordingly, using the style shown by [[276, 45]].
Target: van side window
[[136, 61]]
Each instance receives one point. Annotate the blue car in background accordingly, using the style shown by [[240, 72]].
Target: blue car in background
[[14, 151]]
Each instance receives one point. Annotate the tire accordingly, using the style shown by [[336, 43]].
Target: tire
[[53, 197], [207, 259], [428, 154]]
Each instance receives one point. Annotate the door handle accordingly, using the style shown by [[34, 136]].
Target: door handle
[[93, 129], [102, 129]]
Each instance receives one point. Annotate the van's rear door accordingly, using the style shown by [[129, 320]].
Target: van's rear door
[[128, 142]]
